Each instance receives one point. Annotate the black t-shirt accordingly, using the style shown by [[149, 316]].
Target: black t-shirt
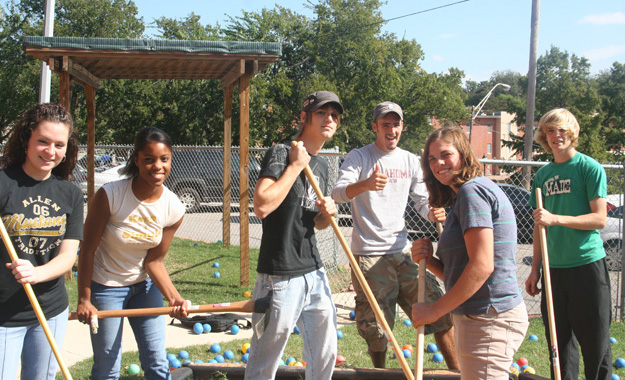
[[288, 246], [38, 215]]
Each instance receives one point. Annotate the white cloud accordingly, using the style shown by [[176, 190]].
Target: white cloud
[[446, 36], [604, 19], [605, 52]]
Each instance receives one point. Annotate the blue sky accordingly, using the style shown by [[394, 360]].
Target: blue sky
[[476, 36]]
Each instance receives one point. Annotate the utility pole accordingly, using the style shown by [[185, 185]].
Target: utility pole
[[48, 31], [531, 94]]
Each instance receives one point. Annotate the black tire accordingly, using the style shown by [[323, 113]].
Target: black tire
[[190, 198], [613, 254]]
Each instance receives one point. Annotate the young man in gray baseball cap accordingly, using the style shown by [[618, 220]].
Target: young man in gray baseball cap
[[289, 260], [376, 180]]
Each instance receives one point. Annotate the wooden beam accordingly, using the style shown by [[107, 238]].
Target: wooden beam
[[76, 71], [244, 172], [90, 100], [237, 72], [227, 193], [64, 84]]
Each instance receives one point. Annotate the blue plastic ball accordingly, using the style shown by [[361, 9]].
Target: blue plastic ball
[[196, 244], [432, 348], [215, 265], [215, 348], [229, 355], [282, 362], [197, 328], [296, 331], [407, 322], [206, 328], [198, 361], [183, 354], [437, 357], [212, 361], [524, 366], [619, 363], [76, 275], [171, 358], [290, 359], [234, 330], [176, 364], [533, 338], [339, 334], [220, 359], [134, 369], [615, 377], [613, 340], [216, 274], [187, 361], [352, 315], [245, 357], [407, 353], [515, 366]]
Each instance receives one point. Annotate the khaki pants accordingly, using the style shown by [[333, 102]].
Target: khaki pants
[[486, 343]]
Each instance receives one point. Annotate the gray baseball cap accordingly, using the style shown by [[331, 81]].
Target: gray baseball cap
[[386, 107], [319, 99]]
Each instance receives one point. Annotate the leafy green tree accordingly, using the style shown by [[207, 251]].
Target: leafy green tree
[[612, 91]]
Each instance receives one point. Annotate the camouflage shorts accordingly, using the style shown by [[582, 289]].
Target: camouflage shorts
[[393, 279]]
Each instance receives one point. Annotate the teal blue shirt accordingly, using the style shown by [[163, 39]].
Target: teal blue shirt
[[567, 189]]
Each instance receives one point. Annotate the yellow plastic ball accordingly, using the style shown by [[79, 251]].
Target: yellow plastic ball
[[529, 370], [245, 347], [298, 364], [293, 363], [247, 294]]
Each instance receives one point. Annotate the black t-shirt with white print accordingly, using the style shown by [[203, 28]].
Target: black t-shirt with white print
[[38, 215], [288, 246]]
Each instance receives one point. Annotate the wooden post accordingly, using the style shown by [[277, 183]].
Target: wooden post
[[90, 99], [227, 185], [244, 185]]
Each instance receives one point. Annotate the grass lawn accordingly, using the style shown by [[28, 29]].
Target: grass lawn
[[190, 265]]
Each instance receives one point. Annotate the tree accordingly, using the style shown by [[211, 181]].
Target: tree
[[612, 91]]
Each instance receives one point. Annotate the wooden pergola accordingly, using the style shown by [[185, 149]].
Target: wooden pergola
[[88, 61]]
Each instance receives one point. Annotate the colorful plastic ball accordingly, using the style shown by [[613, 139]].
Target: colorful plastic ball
[[234, 329], [220, 359], [406, 353], [514, 371], [296, 330], [615, 377], [529, 370], [408, 347], [245, 358], [216, 274], [229, 355], [282, 362], [198, 361], [339, 334], [215, 265], [134, 369], [244, 348], [515, 366], [290, 360], [76, 274], [533, 338], [187, 362], [437, 357], [171, 358], [352, 315], [524, 366], [196, 244], [183, 355], [340, 359], [407, 322], [206, 328], [522, 361], [247, 294], [619, 363], [215, 348], [176, 363], [198, 328], [432, 348], [613, 340], [212, 361]]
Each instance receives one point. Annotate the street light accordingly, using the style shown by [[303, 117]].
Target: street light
[[476, 109]]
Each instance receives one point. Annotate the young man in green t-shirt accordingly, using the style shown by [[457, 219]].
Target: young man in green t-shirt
[[574, 191]]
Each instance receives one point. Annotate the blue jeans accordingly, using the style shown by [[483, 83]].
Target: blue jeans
[[149, 331], [304, 300], [31, 343]]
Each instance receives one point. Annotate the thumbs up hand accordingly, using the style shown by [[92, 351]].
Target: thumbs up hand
[[377, 180]]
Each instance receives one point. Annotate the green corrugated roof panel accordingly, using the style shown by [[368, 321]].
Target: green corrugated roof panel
[[127, 44]]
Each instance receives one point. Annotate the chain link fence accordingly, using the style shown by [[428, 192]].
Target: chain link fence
[[197, 178]]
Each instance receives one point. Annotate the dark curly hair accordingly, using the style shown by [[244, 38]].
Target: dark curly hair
[[14, 152], [145, 136], [442, 195]]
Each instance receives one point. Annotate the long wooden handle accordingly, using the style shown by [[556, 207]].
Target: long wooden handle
[[361, 279], [547, 291], [420, 348], [239, 306], [35, 304]]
